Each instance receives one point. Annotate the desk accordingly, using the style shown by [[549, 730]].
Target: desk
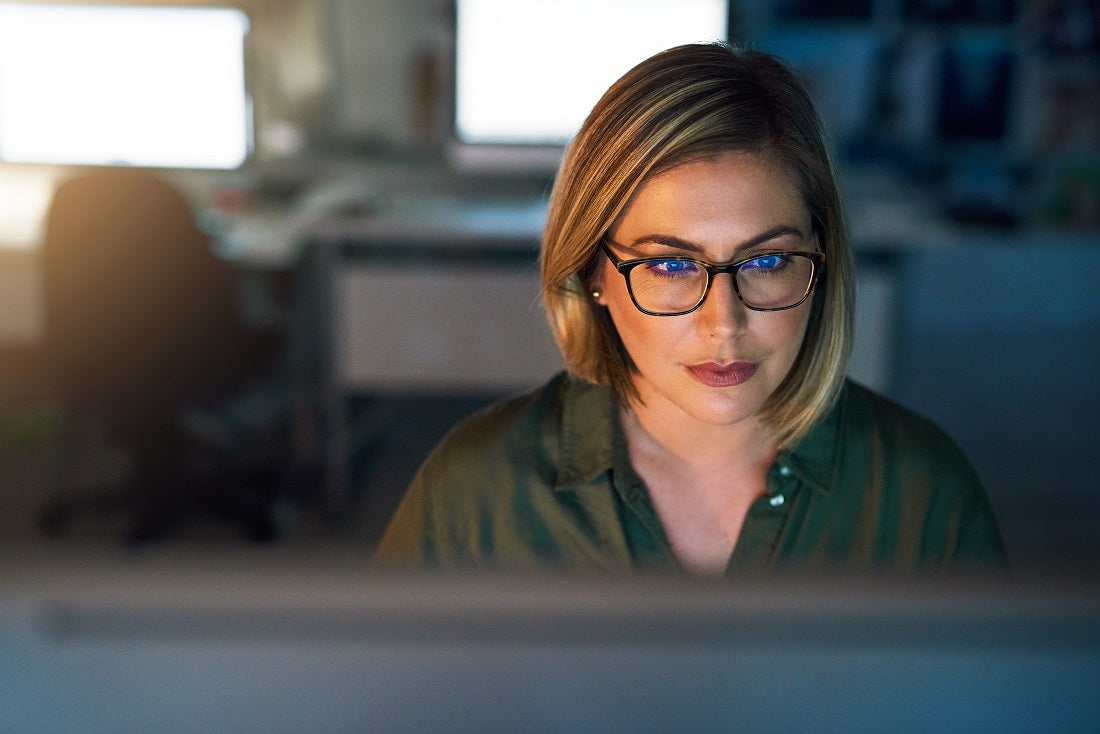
[[436, 297]]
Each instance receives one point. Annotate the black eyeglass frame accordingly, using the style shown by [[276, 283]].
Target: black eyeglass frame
[[816, 258]]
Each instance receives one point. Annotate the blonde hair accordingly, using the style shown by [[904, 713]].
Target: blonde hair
[[682, 104]]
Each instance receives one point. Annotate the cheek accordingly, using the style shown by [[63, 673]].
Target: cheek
[[633, 326], [789, 331], [647, 339]]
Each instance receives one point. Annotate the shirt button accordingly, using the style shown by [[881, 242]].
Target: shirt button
[[777, 500], [784, 471]]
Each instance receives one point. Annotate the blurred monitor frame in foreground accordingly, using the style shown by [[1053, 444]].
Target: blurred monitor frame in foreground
[[174, 646], [144, 86], [526, 74]]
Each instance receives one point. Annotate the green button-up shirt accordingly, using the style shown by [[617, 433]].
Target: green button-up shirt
[[545, 481]]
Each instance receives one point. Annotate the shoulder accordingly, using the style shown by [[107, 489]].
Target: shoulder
[[460, 484], [903, 460], [515, 440], [886, 451], [510, 423], [489, 490], [871, 419]]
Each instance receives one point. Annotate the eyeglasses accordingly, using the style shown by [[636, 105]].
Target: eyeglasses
[[673, 286]]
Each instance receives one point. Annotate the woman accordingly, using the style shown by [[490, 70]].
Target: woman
[[697, 279]]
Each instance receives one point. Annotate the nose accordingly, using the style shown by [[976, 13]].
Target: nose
[[722, 313]]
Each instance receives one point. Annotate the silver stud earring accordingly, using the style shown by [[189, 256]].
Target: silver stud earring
[[595, 294]]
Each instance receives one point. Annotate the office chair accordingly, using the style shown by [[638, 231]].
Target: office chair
[[141, 328]]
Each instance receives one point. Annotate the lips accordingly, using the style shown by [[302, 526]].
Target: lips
[[713, 374]]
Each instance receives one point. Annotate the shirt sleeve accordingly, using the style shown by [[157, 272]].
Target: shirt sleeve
[[978, 545], [407, 541], [435, 523], [924, 507], [960, 531]]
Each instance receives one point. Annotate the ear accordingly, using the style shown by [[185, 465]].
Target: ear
[[596, 292], [595, 282]]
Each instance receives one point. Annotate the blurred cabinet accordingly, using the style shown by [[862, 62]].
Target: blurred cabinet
[[447, 302]]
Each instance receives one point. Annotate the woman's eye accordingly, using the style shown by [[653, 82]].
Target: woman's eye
[[765, 262], [673, 267]]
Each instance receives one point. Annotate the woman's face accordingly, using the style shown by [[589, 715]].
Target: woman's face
[[719, 363]]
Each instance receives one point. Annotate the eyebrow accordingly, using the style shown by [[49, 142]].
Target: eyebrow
[[782, 230]]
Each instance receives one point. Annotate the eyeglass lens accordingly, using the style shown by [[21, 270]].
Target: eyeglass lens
[[767, 282]]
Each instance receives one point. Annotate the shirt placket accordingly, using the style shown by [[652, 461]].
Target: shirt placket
[[764, 525]]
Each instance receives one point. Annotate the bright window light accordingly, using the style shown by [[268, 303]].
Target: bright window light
[[110, 85], [529, 72]]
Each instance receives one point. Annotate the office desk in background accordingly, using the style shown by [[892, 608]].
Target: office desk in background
[[439, 298]]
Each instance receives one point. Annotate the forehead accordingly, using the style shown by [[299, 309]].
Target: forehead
[[750, 188]]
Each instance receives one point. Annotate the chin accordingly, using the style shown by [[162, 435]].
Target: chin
[[725, 406], [724, 417], [724, 410]]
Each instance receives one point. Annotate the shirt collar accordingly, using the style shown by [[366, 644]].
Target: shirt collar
[[590, 423], [815, 458]]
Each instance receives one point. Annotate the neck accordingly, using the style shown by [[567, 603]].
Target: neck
[[676, 435]]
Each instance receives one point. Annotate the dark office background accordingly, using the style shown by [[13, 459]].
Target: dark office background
[[968, 139]]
